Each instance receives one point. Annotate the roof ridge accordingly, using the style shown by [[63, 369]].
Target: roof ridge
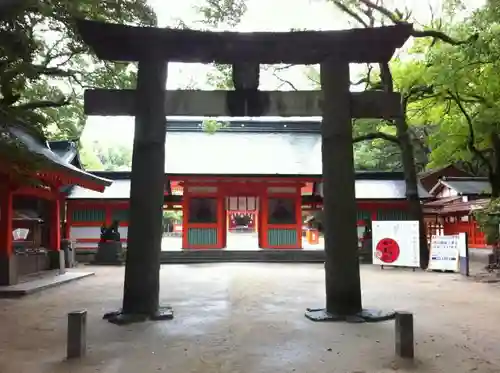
[[464, 178]]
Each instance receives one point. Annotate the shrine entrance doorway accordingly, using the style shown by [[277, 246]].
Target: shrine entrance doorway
[[242, 221]]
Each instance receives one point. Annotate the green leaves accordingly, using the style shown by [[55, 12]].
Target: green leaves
[[212, 125], [222, 12], [102, 155], [489, 221], [44, 65], [467, 85]]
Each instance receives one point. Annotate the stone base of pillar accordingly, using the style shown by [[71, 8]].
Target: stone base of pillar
[[109, 253], [365, 315], [120, 318], [8, 270]]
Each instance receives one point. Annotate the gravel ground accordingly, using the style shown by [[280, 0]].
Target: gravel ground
[[242, 318]]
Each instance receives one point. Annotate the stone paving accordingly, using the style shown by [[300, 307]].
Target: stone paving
[[243, 318]]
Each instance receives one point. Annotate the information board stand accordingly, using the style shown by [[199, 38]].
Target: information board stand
[[396, 244]]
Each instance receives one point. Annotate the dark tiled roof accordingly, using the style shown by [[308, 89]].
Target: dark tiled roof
[[66, 150], [262, 149], [468, 206], [468, 185], [40, 148], [384, 189], [120, 189], [431, 171], [442, 201], [224, 153]]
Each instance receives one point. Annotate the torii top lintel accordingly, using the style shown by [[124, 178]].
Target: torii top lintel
[[117, 42]]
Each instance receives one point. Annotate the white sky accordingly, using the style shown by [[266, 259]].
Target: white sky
[[262, 15]]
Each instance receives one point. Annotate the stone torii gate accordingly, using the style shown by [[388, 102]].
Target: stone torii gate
[[150, 103]]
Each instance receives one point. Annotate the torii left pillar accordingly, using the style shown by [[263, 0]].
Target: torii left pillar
[[142, 270], [8, 265]]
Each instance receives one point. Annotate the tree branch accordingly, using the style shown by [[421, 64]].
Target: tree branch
[[58, 72], [53, 71], [42, 104], [386, 77], [344, 8], [376, 135], [284, 81], [366, 80], [439, 35], [471, 140], [396, 18]]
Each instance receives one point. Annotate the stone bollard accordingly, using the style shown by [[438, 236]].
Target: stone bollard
[[77, 334], [404, 335]]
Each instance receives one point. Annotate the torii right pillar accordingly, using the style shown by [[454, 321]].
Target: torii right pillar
[[342, 276]]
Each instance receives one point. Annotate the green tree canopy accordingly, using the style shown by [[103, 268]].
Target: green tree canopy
[[461, 113], [44, 65]]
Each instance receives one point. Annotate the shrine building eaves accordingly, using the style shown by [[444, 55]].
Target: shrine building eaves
[[117, 42]]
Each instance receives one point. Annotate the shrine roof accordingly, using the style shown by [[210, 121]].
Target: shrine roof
[[131, 43], [54, 162], [67, 150], [251, 149], [243, 153], [464, 185]]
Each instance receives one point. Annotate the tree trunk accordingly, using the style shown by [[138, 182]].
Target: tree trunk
[[141, 290], [409, 169], [411, 183], [343, 287], [494, 176]]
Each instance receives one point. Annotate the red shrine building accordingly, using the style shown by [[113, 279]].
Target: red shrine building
[[452, 210], [256, 175], [32, 204]]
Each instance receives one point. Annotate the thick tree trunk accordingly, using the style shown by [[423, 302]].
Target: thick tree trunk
[[411, 182], [494, 179], [494, 176], [141, 289], [409, 168], [343, 287], [495, 186]]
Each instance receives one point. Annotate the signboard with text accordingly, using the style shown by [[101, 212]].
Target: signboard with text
[[396, 243], [444, 253]]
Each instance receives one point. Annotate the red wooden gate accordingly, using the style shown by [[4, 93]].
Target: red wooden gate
[[475, 235]]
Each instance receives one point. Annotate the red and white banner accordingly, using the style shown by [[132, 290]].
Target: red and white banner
[[396, 243]]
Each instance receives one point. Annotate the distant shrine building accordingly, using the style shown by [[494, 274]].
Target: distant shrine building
[[257, 174]]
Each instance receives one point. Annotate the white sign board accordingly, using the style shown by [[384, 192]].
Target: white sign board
[[463, 252], [444, 253], [462, 245], [396, 243]]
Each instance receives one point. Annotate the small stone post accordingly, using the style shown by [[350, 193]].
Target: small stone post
[[404, 335], [77, 334]]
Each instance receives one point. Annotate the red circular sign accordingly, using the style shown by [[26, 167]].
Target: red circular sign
[[387, 250]]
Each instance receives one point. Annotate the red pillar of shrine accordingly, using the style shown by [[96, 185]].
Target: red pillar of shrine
[[298, 216], [55, 224], [8, 265], [57, 256]]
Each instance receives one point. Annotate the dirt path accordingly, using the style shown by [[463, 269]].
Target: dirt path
[[233, 318]]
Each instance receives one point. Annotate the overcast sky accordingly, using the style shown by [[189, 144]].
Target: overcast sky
[[262, 15]]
